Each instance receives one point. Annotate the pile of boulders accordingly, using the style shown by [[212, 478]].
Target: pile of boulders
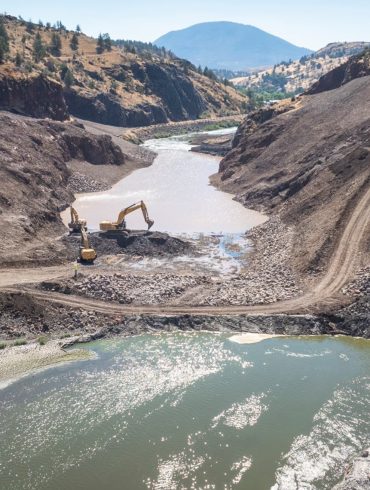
[[82, 183], [360, 286], [23, 316], [140, 289], [269, 277]]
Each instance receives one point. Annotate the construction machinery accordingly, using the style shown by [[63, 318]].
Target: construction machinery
[[76, 224], [87, 253], [120, 224]]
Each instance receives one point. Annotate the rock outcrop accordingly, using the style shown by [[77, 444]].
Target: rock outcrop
[[356, 67], [120, 87], [36, 96]]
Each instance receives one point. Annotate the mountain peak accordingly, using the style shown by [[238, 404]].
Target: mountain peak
[[229, 45]]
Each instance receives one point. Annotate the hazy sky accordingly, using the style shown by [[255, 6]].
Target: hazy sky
[[313, 23]]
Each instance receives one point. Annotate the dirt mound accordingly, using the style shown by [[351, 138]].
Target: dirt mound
[[145, 243]]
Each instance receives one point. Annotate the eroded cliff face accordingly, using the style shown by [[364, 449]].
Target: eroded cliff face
[[168, 95], [34, 178], [307, 161], [36, 96], [119, 87]]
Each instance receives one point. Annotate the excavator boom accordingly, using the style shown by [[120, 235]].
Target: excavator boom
[[76, 223], [120, 224], [87, 253]]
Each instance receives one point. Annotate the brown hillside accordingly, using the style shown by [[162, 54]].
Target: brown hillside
[[118, 87], [300, 74], [308, 161]]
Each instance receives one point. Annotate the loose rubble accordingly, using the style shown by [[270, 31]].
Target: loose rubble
[[82, 183], [269, 277], [23, 316], [360, 286], [130, 288]]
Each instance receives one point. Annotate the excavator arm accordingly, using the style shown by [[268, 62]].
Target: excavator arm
[[130, 209], [74, 215], [76, 223], [87, 253]]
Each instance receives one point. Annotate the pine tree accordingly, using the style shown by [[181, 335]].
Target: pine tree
[[18, 59], [68, 78], [55, 45], [29, 26], [100, 44], [107, 42], [74, 42], [4, 41], [38, 48], [78, 29]]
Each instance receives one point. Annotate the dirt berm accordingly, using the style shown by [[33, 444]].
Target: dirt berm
[[139, 243]]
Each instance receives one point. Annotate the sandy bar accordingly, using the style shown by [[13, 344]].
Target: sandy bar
[[18, 361], [252, 338]]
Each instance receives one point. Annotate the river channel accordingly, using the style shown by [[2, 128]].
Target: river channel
[[189, 411], [177, 193]]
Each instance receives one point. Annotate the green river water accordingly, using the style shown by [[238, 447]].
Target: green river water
[[189, 411]]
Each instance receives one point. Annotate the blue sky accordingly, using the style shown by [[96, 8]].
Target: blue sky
[[313, 23]]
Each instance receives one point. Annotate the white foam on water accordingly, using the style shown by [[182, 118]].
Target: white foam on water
[[337, 435], [241, 415]]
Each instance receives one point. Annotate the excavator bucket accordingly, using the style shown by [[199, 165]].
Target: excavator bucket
[[150, 223]]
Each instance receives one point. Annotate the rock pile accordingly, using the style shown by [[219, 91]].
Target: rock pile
[[270, 278], [22, 316], [130, 288], [143, 243], [82, 183], [360, 286]]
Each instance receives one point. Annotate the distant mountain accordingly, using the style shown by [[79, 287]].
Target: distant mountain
[[228, 45]]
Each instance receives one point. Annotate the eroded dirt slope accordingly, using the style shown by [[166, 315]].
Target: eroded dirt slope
[[308, 161]]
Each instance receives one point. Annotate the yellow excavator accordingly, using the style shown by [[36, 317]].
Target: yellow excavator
[[120, 224], [87, 253], [76, 224]]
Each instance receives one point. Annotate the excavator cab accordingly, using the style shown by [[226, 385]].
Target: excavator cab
[[120, 224], [76, 224]]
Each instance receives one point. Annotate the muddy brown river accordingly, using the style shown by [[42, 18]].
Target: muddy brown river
[[177, 192]]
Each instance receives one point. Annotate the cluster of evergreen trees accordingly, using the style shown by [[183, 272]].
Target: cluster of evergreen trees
[[4, 41], [104, 43]]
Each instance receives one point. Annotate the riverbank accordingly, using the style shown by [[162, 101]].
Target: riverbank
[[17, 361], [30, 352], [179, 128]]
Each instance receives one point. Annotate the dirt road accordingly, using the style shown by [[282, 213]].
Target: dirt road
[[340, 270]]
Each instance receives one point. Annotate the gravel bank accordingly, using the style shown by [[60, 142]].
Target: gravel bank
[[269, 276], [17, 361]]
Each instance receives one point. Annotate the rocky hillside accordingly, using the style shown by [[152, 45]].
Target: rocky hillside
[[229, 45], [297, 76], [356, 67], [308, 161], [34, 177], [116, 86]]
